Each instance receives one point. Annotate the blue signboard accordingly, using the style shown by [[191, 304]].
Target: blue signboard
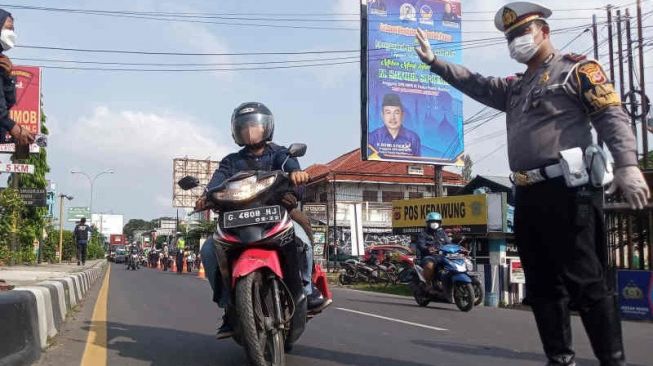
[[635, 294], [410, 114]]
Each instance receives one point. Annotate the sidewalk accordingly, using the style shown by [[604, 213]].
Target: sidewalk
[[30, 275], [35, 310]]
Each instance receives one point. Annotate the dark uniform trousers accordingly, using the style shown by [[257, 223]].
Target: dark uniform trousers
[[561, 240]]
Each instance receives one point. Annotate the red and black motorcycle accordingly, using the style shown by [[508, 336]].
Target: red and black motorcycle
[[260, 262]]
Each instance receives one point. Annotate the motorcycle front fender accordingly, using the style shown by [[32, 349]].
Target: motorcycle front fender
[[461, 277], [252, 260]]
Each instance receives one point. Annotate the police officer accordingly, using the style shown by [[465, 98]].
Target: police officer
[[559, 230], [8, 84], [81, 234]]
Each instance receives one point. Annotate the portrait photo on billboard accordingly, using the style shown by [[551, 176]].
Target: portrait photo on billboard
[[410, 113]]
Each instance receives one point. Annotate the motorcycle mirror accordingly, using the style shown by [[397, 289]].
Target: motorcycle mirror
[[188, 182], [297, 150]]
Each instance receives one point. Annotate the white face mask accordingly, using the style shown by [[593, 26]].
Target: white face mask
[[523, 48], [8, 39], [434, 225]]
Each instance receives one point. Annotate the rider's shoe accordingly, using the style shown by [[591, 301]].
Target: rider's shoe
[[316, 302], [225, 330]]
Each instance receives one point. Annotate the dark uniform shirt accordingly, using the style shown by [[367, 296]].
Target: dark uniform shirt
[[81, 233], [406, 143], [272, 159], [550, 109]]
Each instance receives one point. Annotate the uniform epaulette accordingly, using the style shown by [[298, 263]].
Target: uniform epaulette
[[575, 57]]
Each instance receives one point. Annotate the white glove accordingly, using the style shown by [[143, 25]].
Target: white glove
[[424, 50], [633, 186]]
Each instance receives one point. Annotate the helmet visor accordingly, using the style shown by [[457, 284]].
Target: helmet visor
[[251, 129]]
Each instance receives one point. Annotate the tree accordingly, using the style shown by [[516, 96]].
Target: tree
[[33, 220], [136, 224], [12, 206], [467, 168]]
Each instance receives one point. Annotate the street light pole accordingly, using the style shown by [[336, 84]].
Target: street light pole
[[91, 182], [61, 197]]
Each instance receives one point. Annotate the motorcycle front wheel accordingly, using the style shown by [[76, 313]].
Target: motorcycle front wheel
[[463, 296], [255, 304], [478, 292]]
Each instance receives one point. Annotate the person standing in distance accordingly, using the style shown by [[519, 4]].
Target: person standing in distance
[[8, 84], [549, 109], [81, 234]]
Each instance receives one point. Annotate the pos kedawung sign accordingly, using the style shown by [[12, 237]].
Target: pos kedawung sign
[[464, 214], [409, 114]]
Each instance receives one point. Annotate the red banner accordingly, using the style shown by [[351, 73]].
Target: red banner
[[27, 110]]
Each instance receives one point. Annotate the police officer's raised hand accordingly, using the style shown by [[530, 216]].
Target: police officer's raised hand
[[424, 50], [299, 177], [633, 186], [21, 135]]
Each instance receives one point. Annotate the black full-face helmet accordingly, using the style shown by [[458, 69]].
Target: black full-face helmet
[[252, 124]]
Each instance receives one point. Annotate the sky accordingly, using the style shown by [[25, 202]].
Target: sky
[[136, 122]]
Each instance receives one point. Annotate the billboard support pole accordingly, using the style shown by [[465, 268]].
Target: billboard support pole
[[437, 180], [363, 86]]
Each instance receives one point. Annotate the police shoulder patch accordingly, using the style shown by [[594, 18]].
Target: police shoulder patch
[[595, 90], [575, 57], [593, 72]]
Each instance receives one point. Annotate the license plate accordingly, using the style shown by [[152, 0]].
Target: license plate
[[252, 216]]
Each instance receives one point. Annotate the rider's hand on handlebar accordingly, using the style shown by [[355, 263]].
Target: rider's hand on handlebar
[[200, 204], [299, 177]]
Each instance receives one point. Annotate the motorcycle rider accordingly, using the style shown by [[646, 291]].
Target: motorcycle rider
[[252, 126], [428, 242]]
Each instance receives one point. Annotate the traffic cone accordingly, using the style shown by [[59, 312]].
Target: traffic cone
[[200, 272], [174, 266]]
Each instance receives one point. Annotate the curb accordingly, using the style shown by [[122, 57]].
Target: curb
[[30, 315]]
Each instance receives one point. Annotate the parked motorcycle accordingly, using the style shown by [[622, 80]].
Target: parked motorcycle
[[451, 282], [265, 261]]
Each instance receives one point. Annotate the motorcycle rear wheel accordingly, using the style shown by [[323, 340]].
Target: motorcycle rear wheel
[[478, 292], [264, 344]]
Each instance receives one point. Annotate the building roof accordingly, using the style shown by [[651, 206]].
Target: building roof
[[494, 183], [351, 167]]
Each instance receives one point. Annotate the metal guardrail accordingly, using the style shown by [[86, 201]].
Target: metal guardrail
[[629, 235]]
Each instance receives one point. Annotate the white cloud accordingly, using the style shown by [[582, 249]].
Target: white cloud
[[139, 146]]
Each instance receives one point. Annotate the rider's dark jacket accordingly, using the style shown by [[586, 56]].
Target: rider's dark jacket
[[431, 238], [272, 159]]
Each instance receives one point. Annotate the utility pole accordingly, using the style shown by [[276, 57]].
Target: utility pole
[[610, 44], [642, 82], [631, 74], [622, 85], [61, 197], [595, 38], [439, 189]]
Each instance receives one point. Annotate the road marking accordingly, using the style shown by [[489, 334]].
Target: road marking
[[95, 352], [393, 320]]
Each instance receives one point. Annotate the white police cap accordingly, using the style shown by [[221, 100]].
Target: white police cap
[[518, 13]]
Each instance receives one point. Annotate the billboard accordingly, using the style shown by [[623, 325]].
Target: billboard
[[200, 169], [108, 224], [408, 113], [27, 110], [76, 213], [465, 214]]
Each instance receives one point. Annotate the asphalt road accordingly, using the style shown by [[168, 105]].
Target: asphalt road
[[161, 318]]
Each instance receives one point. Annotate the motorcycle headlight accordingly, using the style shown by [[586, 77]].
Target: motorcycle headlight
[[244, 189], [469, 264]]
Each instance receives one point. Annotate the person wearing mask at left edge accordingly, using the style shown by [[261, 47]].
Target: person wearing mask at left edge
[[8, 85]]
